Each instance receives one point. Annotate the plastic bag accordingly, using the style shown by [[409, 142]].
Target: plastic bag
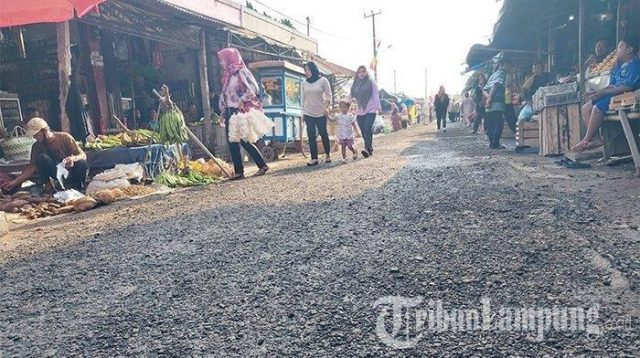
[[67, 196], [133, 171], [61, 174], [97, 185], [526, 113], [110, 174], [249, 126], [378, 123]]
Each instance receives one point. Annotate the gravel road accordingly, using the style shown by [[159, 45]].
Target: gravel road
[[293, 263]]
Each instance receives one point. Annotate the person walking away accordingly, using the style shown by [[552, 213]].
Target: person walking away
[[316, 98], [396, 124], [404, 116], [467, 108], [510, 97], [495, 104], [50, 149], [239, 94], [365, 92], [479, 101], [441, 103], [346, 128]]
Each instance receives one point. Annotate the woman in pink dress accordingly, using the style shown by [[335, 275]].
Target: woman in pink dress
[[395, 118]]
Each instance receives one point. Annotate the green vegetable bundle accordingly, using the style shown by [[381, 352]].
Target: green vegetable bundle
[[172, 126], [186, 179]]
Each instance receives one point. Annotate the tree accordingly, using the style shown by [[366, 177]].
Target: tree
[[287, 22], [250, 6]]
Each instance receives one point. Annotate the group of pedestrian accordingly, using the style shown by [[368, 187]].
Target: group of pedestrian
[[240, 94]]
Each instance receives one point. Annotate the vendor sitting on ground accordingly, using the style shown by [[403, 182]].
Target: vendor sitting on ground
[[624, 78], [50, 149]]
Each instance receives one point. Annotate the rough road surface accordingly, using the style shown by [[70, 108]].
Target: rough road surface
[[294, 263]]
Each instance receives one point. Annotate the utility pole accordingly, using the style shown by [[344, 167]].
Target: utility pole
[[375, 45], [308, 24], [395, 88], [426, 87]]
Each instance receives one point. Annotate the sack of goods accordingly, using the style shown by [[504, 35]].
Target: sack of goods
[[249, 126], [113, 178]]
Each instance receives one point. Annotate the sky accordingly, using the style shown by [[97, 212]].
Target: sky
[[421, 34]]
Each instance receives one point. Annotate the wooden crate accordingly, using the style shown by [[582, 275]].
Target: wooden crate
[[559, 129], [528, 133], [507, 133]]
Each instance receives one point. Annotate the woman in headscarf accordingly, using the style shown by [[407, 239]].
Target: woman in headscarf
[[395, 117], [239, 94], [365, 91], [316, 99]]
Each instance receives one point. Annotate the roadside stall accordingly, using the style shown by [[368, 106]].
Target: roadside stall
[[281, 83], [559, 118]]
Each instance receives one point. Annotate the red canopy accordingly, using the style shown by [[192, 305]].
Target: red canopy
[[24, 12]]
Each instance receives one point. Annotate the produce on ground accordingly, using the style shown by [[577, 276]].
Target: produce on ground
[[173, 129], [135, 138], [210, 168], [186, 178], [34, 207], [137, 190], [84, 204], [108, 196]]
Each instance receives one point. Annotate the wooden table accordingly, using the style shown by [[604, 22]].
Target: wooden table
[[624, 116], [631, 137]]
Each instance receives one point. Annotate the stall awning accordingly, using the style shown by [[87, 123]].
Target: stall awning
[[158, 25], [329, 68], [25, 12], [248, 41], [519, 22]]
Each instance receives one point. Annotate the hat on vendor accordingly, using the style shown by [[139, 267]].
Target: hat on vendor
[[35, 125]]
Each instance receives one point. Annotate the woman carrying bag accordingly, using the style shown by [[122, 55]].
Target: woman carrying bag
[[239, 95]]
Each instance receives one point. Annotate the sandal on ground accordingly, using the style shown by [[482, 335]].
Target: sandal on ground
[[261, 171], [312, 162], [327, 159], [237, 177], [365, 154]]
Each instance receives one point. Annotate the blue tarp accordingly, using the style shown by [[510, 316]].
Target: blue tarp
[[106, 159]]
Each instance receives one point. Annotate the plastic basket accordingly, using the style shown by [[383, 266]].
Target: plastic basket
[[17, 147]]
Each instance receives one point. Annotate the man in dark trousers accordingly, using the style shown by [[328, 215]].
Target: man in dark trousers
[[50, 149], [495, 104]]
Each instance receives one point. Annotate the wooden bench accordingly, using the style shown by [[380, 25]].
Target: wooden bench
[[623, 124]]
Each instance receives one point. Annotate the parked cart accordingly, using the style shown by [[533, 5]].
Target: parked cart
[[281, 98]]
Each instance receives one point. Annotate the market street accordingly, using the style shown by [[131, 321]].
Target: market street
[[292, 263]]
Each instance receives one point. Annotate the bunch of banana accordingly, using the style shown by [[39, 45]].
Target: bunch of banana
[[104, 142], [138, 138], [172, 126]]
